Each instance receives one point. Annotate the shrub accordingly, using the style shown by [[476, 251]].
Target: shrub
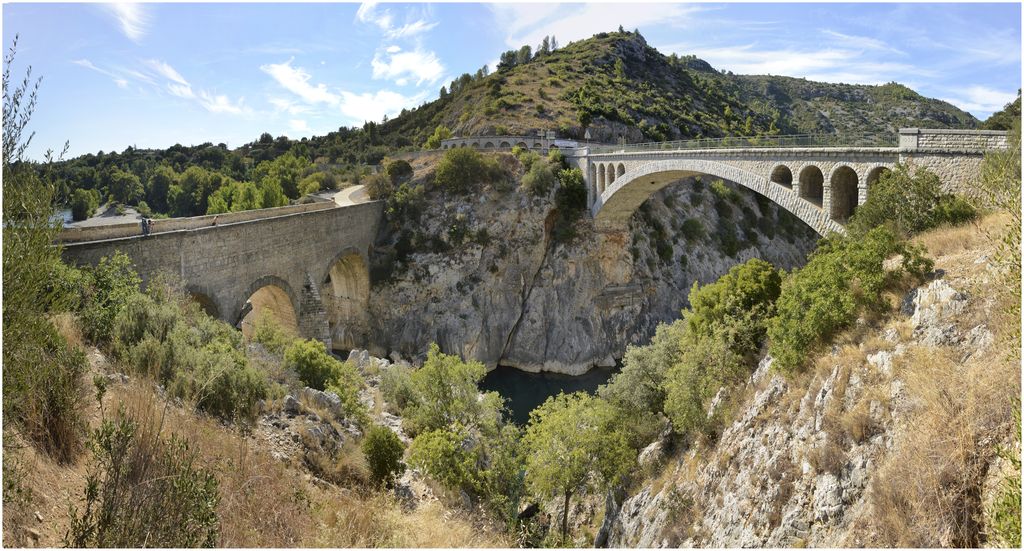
[[692, 229], [571, 197], [461, 169], [440, 453], [740, 303], [318, 369], [446, 392], [398, 171], [114, 281], [383, 451], [843, 277], [144, 491], [379, 186], [270, 334], [310, 360], [440, 133], [397, 387], [539, 178], [84, 203], [909, 203]]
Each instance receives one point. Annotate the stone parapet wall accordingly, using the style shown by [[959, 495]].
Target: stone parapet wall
[[164, 225], [950, 140]]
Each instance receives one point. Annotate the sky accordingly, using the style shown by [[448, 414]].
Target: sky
[[152, 75]]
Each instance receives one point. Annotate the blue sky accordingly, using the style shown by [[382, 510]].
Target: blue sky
[[152, 75]]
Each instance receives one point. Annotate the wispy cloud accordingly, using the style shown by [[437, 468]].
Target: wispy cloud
[[118, 79], [425, 67], [373, 106], [530, 23], [356, 108], [981, 101], [860, 42], [369, 12], [133, 18], [297, 81]]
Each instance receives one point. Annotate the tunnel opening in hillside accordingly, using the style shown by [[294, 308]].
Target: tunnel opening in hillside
[[269, 302], [346, 299]]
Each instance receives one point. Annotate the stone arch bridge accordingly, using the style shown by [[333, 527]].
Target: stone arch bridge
[[820, 183], [306, 265]]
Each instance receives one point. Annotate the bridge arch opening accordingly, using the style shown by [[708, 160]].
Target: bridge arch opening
[[843, 186], [272, 300], [505, 145], [346, 298], [783, 176], [620, 170], [592, 173], [610, 168], [602, 181], [522, 145], [876, 174], [476, 145], [536, 145], [489, 145], [812, 185], [206, 304]]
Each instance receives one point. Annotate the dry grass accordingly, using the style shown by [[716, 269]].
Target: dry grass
[[954, 240], [928, 491]]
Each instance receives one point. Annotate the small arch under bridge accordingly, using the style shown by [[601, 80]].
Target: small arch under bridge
[[821, 185]]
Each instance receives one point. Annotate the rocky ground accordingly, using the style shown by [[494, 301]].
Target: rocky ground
[[512, 294], [823, 459]]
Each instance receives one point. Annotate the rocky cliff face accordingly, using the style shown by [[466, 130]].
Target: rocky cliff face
[[889, 442], [488, 278]]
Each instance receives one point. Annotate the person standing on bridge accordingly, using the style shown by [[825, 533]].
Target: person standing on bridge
[[145, 226]]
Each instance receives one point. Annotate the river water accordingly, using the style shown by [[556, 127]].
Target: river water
[[525, 391]]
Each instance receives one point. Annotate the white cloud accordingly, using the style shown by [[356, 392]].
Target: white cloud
[[288, 106], [829, 65], [221, 104], [297, 81], [982, 101], [133, 18], [372, 106], [860, 42], [423, 66], [368, 12], [119, 80], [530, 23], [393, 49], [298, 125], [163, 69]]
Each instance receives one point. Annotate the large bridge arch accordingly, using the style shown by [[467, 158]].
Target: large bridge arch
[[614, 207], [273, 296], [345, 291]]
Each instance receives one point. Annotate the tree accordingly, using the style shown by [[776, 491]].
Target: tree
[[383, 451], [441, 132], [398, 171], [446, 393], [570, 439], [125, 187], [83, 203], [909, 203], [620, 68], [507, 60], [544, 47], [41, 371], [524, 55], [159, 184]]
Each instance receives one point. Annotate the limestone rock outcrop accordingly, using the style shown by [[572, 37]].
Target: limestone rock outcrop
[[488, 278]]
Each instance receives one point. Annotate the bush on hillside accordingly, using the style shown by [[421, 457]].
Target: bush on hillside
[[318, 369], [843, 278], [909, 203], [399, 171], [539, 178], [144, 491], [740, 303], [383, 450], [462, 169]]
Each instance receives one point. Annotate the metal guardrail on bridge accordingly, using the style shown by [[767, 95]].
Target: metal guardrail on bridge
[[796, 140]]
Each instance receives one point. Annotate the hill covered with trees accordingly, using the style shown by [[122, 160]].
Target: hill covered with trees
[[613, 84]]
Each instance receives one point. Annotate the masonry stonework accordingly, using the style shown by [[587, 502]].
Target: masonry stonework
[[227, 263]]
